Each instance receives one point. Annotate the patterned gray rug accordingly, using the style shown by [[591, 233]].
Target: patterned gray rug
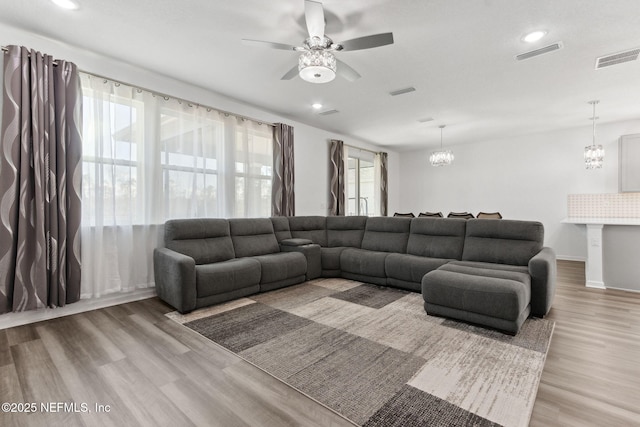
[[373, 355]]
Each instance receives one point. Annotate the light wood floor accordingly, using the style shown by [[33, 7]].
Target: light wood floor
[[153, 372], [592, 373]]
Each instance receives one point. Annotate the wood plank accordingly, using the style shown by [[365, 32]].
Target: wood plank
[[11, 392], [149, 406], [193, 399], [87, 385], [21, 334], [5, 350], [75, 338], [40, 383]]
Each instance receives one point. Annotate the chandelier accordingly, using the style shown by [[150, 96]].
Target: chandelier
[[593, 154], [317, 66], [442, 157]]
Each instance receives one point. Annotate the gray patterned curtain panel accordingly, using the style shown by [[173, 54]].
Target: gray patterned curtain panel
[[40, 173], [337, 177], [283, 202], [384, 193]]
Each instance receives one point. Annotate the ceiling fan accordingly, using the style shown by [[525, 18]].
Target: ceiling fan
[[317, 62]]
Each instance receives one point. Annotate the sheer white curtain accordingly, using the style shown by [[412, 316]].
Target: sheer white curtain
[[149, 158], [349, 188], [377, 184]]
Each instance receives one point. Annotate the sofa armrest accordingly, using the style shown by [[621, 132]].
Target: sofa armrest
[[175, 276], [295, 242], [311, 251], [543, 269]]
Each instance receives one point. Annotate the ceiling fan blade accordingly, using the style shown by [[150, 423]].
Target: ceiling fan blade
[[290, 74], [367, 42], [314, 15], [273, 45], [346, 71]]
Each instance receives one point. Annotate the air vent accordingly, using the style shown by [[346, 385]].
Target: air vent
[[540, 51], [426, 119], [326, 113], [402, 91], [617, 58]]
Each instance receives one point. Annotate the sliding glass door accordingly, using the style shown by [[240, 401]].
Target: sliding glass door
[[360, 186]]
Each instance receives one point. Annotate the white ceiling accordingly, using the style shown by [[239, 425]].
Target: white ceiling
[[458, 54]]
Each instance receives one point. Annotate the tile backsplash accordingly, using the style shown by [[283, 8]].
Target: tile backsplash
[[616, 205]]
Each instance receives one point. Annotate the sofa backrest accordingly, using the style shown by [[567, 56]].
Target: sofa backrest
[[504, 241], [253, 236], [281, 227], [313, 228], [206, 240], [386, 234], [437, 237], [345, 231]]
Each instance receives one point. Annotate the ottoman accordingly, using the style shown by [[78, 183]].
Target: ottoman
[[481, 293]]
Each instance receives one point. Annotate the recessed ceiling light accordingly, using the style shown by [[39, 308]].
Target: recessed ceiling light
[[534, 36], [316, 106], [66, 4]]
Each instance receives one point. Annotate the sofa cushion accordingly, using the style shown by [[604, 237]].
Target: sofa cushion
[[386, 234], [281, 266], [281, 227], [363, 262], [226, 276], [206, 240], [253, 236], [502, 242], [309, 227], [437, 237], [410, 268], [345, 231]]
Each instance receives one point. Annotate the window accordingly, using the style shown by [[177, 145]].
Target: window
[[148, 159], [361, 192]]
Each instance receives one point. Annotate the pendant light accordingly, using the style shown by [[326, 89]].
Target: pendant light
[[442, 157], [594, 154]]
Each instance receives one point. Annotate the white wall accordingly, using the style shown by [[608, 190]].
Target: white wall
[[312, 170], [527, 177], [311, 144]]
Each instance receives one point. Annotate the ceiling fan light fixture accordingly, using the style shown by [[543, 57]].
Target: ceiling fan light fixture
[[317, 66]]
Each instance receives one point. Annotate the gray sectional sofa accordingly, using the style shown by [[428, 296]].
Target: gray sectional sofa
[[491, 272]]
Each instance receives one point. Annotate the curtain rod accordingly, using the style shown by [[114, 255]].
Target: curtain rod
[[191, 103], [6, 50], [166, 97], [362, 149]]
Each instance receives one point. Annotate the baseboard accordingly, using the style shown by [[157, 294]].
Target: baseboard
[[595, 284], [571, 258], [9, 320], [623, 289]]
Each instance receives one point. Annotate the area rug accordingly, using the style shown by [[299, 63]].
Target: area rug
[[374, 356]]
